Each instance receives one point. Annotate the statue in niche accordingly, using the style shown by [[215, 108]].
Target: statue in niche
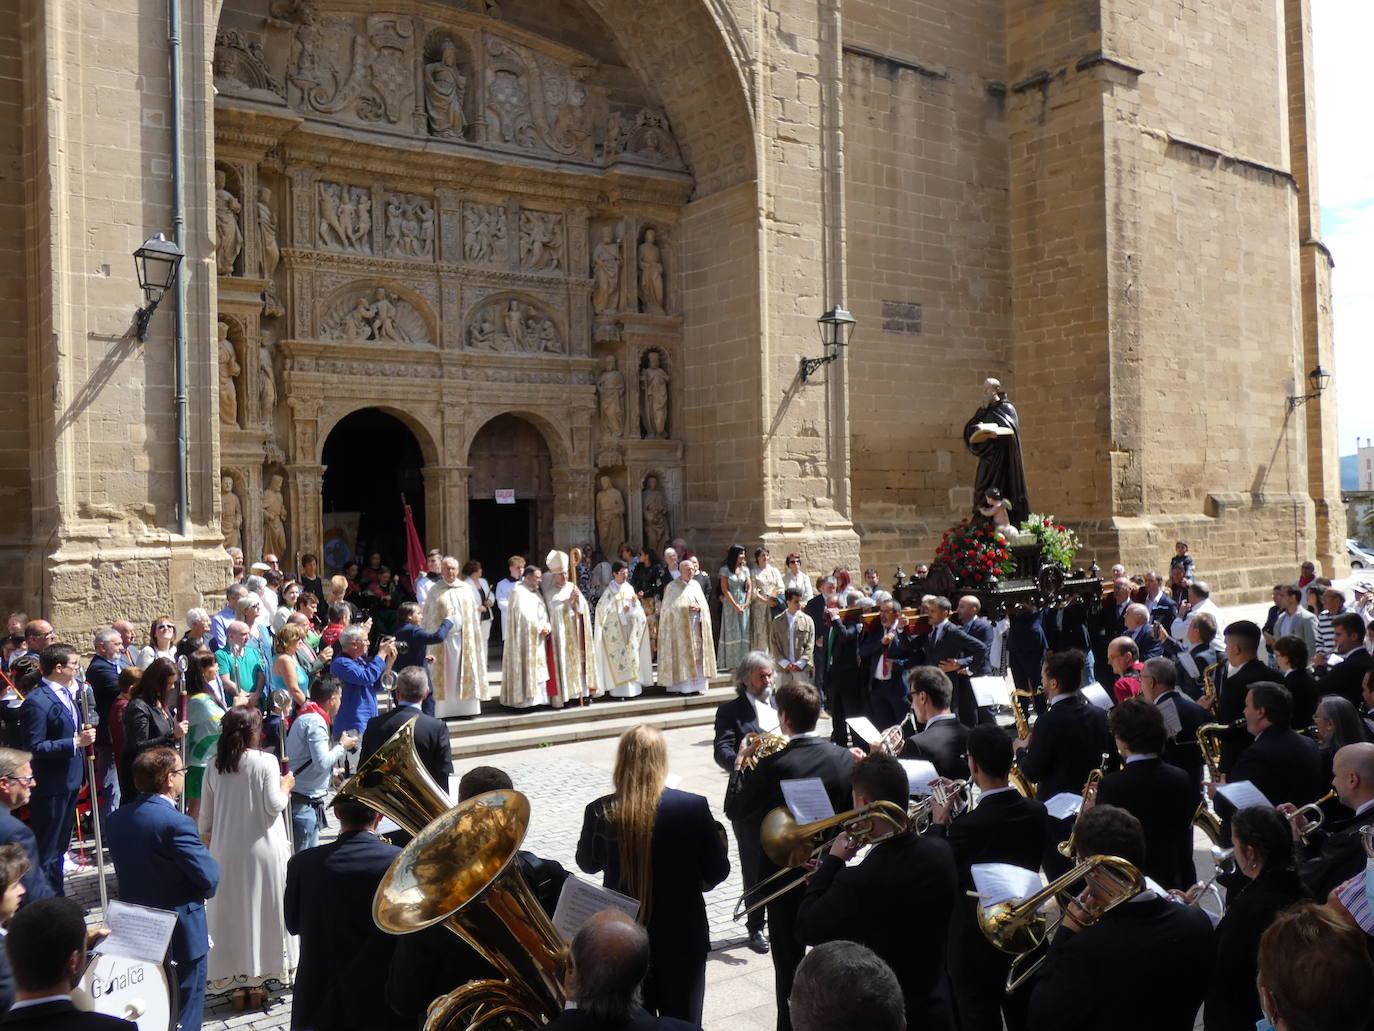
[[228, 369], [606, 273], [231, 514], [653, 385], [228, 234], [269, 250], [484, 232], [393, 224], [650, 275], [610, 517], [610, 391], [540, 240], [273, 517], [445, 88], [267, 385], [655, 508], [425, 216]]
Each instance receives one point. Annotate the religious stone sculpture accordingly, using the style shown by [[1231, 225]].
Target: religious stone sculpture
[[513, 327], [409, 226], [231, 515], [228, 234], [656, 524], [273, 517], [445, 88], [484, 233], [650, 275], [610, 517], [993, 435], [653, 385], [610, 391], [541, 240], [606, 273], [379, 314], [346, 218], [228, 369], [269, 250], [267, 385]]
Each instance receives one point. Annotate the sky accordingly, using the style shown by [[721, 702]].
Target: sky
[[1341, 32]]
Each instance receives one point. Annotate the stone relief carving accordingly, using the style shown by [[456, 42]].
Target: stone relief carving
[[644, 135], [610, 393], [541, 241], [653, 385], [228, 369], [513, 327], [657, 531], [409, 226], [376, 314], [273, 517], [533, 101], [231, 514], [484, 233], [339, 67], [445, 89], [650, 275], [269, 253], [228, 232], [239, 64], [346, 218], [610, 517], [267, 384], [606, 265]]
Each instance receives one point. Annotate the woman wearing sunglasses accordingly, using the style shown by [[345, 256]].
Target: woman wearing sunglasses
[[162, 642]]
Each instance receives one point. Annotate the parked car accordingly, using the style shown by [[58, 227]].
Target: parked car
[[1360, 557]]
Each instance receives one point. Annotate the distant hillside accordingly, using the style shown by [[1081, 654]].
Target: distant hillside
[[1350, 472]]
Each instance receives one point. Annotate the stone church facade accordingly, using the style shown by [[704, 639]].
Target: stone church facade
[[575, 248]]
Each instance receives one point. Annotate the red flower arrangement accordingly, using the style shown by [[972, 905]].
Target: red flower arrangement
[[975, 553]]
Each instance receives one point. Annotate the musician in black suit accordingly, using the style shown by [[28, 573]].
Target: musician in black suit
[[846, 683], [1233, 680], [46, 945], [16, 780], [1080, 987], [328, 903], [1345, 678], [806, 755], [1004, 828], [897, 901], [1160, 796], [1066, 744], [1026, 646], [885, 649], [1334, 853], [944, 739], [431, 734], [1290, 654], [815, 608], [1181, 749], [958, 654], [745, 714], [1195, 655]]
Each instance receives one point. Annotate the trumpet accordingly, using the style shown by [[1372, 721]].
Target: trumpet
[[894, 737], [1019, 928], [791, 845], [1089, 795], [942, 792], [1209, 743], [1313, 814]]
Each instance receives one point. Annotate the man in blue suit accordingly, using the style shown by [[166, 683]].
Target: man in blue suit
[[16, 780], [161, 862], [50, 724]]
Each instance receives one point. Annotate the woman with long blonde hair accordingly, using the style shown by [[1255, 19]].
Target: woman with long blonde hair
[[662, 847]]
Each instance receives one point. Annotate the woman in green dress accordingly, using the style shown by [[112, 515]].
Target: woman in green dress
[[736, 589], [204, 709]]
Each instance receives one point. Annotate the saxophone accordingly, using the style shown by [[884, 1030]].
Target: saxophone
[[1015, 776]]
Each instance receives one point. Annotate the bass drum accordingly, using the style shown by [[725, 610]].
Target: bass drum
[[129, 989]]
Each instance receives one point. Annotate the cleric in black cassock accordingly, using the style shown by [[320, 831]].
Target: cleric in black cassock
[[998, 452]]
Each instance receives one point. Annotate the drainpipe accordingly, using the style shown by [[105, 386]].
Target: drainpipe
[[179, 234]]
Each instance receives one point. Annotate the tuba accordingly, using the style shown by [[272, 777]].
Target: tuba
[[396, 784]]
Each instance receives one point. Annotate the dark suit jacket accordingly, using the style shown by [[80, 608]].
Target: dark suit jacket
[[1163, 798], [103, 676], [1067, 628], [1182, 749], [431, 739], [16, 832], [956, 643], [63, 1016], [901, 652], [981, 629], [1080, 987], [47, 728], [328, 902], [1231, 694], [688, 857], [1203, 655], [1346, 678], [910, 880], [1232, 1002], [641, 1020], [145, 727], [160, 862], [734, 720], [1303, 688], [417, 641], [1335, 855], [1283, 764], [1164, 612], [1066, 745], [1026, 641], [942, 743], [1145, 642]]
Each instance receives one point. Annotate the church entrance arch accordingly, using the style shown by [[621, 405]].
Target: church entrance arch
[[509, 454], [372, 461]]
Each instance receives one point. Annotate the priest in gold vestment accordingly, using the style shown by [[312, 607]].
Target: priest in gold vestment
[[686, 646], [624, 663], [574, 666], [459, 671], [524, 663]]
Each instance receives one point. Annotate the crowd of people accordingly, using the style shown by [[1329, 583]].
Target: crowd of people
[[212, 754]]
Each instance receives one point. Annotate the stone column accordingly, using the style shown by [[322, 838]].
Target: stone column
[[446, 508], [304, 516], [573, 518]]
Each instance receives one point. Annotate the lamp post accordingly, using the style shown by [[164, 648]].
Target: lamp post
[[156, 263], [1320, 380], [836, 326]]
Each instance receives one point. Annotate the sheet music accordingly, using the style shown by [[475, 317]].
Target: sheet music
[[919, 775], [1243, 794], [1189, 664], [1097, 694], [1169, 710], [137, 932], [386, 827], [581, 900], [864, 729], [1064, 805], [990, 690], [1000, 882], [807, 800]]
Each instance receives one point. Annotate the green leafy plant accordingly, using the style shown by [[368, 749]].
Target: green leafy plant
[[1058, 544]]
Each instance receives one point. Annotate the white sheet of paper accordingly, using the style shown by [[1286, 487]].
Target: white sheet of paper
[[864, 729], [1243, 794], [1097, 694], [806, 799], [919, 775], [1189, 664], [1168, 710], [672, 780], [998, 882], [581, 900], [387, 827], [1064, 805], [990, 690], [137, 932]]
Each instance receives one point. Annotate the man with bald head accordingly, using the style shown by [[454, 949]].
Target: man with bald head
[[1138, 630], [1335, 853], [607, 962]]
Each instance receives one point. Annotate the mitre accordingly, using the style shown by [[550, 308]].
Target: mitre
[[556, 562]]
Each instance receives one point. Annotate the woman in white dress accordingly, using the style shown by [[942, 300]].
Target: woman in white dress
[[162, 642], [486, 604], [242, 801], [621, 642], [768, 591], [794, 577]]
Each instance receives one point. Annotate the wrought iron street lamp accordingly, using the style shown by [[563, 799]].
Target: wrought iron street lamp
[[836, 325]]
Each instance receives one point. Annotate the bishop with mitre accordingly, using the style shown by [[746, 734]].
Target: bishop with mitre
[[686, 646], [624, 662], [459, 670], [525, 661], [574, 667]]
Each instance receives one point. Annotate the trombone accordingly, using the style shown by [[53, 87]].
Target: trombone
[[792, 845], [1089, 795]]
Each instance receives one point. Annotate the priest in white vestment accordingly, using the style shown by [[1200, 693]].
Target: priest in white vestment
[[459, 671], [524, 663], [624, 662], [574, 668], [686, 646]]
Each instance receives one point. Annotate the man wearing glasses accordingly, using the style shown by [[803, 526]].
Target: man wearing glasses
[[16, 781], [52, 731]]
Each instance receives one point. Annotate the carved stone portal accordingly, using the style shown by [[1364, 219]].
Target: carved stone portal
[[377, 314], [228, 368], [345, 218], [657, 529], [228, 232], [650, 275], [409, 226], [231, 516], [484, 234], [445, 89], [513, 327], [653, 385], [606, 273], [541, 241], [273, 517]]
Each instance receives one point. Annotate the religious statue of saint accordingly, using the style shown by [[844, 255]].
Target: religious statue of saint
[[655, 507], [653, 384], [445, 87], [228, 369], [228, 235], [515, 326], [267, 385], [650, 275], [606, 273], [273, 517], [269, 248], [993, 435], [231, 514], [610, 392], [610, 517]]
